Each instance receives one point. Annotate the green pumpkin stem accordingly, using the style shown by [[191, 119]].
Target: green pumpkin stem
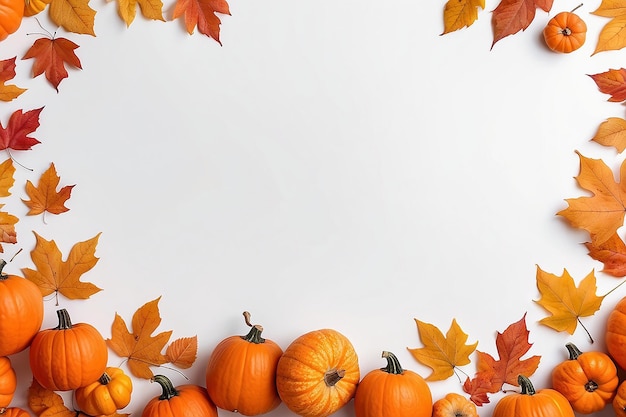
[[65, 322], [254, 335], [331, 377], [393, 364], [526, 385], [574, 352], [166, 385]]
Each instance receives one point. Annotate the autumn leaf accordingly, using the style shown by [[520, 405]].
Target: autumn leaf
[[602, 213], [566, 302], [16, 135], [612, 82], [611, 253], [479, 387], [137, 344], [613, 34], [7, 228], [458, 14], [612, 132], [53, 275], [75, 16], [202, 14], [51, 55], [7, 179], [150, 9], [442, 353], [491, 373], [40, 399], [183, 352], [45, 197], [8, 92], [512, 16]]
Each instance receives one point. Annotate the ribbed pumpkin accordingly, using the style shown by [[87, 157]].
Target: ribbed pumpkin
[[393, 391], [565, 32], [184, 401], [111, 392], [318, 373], [33, 7], [619, 401], [529, 402], [68, 356], [21, 309], [11, 14], [8, 382], [14, 412], [615, 336], [240, 365], [588, 380], [454, 405]]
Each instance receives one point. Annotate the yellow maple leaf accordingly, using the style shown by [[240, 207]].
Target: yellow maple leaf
[[612, 36], [442, 353], [612, 132], [458, 14], [53, 275], [73, 15], [7, 170], [150, 9], [566, 302], [45, 197]]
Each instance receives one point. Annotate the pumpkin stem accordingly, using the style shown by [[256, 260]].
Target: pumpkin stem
[[168, 388], [65, 322], [393, 364], [3, 263], [526, 385], [574, 352], [254, 335], [591, 386], [576, 8], [104, 379], [331, 377]]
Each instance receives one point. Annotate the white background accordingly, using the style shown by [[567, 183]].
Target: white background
[[333, 164]]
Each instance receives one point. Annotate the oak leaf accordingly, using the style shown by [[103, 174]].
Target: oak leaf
[[566, 302], [8, 92], [75, 16], [53, 275], [7, 228], [612, 82], [458, 14], [16, 135], [44, 197], [150, 9], [137, 343], [442, 353], [51, 55], [512, 16], [611, 253], [602, 213], [183, 352], [612, 132], [201, 14]]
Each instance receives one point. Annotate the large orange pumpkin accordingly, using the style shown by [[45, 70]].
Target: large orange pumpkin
[[318, 373], [11, 14], [393, 391], [615, 336], [68, 356], [21, 309], [529, 402], [111, 392], [183, 401], [240, 365]]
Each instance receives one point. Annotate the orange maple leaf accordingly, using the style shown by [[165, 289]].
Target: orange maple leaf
[[611, 253], [45, 197], [51, 55], [612, 82], [8, 92], [602, 213], [138, 345], [612, 132], [41, 399], [512, 16], [7, 228], [183, 352], [202, 14], [53, 275], [442, 353]]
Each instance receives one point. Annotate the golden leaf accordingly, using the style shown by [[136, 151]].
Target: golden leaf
[[612, 132], [458, 14], [612, 36]]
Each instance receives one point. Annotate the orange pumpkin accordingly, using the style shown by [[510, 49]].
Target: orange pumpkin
[[14, 412], [184, 401], [546, 402], [242, 364], [615, 335], [454, 405], [11, 14], [8, 382], [33, 7], [588, 380], [21, 309], [68, 356], [105, 396], [619, 401], [318, 373], [393, 391], [565, 32]]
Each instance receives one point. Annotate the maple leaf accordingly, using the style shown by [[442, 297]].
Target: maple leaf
[[611, 253], [442, 353], [612, 82], [458, 14], [51, 55], [53, 275], [7, 179], [40, 399], [183, 352], [150, 9], [45, 197], [8, 92], [75, 16], [138, 345], [479, 387], [602, 213], [512, 16], [16, 135], [565, 302], [202, 14], [7, 228], [612, 132]]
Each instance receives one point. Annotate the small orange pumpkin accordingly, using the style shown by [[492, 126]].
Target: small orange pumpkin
[[619, 401], [33, 7], [8, 382], [393, 391], [615, 334], [529, 402], [565, 32], [318, 373], [454, 405], [588, 380], [11, 14], [240, 365], [183, 401], [14, 412], [68, 356], [105, 396]]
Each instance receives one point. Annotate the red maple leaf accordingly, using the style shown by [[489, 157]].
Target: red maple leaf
[[512, 16], [202, 13], [612, 253], [20, 125], [613, 83], [51, 55]]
